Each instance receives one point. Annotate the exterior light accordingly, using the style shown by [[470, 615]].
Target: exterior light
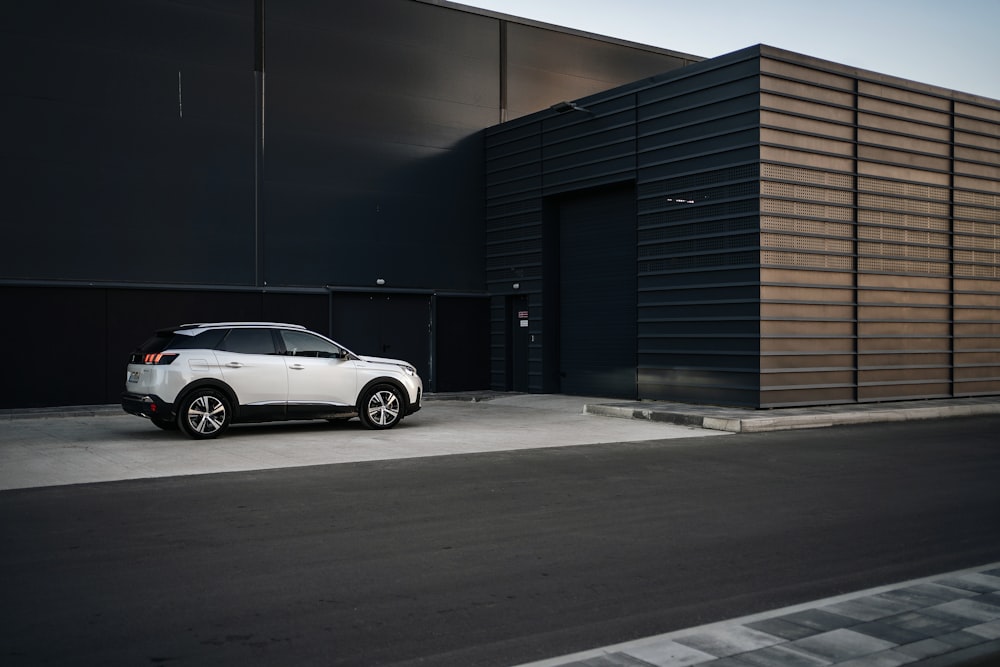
[[563, 107]]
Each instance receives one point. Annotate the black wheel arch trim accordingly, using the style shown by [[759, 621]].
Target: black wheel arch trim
[[211, 383], [405, 395]]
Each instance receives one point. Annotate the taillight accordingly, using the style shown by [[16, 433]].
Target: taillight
[[159, 358]]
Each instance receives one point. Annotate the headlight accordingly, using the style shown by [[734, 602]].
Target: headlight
[[409, 370]]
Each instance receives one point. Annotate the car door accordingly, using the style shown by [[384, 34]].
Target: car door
[[251, 365], [321, 379]]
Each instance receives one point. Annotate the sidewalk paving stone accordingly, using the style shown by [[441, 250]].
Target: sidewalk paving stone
[[989, 630], [819, 620], [726, 641], [870, 608], [964, 612], [840, 645]]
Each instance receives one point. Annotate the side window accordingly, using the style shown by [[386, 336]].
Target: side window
[[207, 340], [248, 341], [301, 344]]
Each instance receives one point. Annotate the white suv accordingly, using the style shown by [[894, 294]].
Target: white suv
[[204, 377]]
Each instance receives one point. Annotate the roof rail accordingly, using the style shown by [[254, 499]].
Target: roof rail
[[202, 325]]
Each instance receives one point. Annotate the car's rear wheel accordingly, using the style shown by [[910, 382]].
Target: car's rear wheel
[[381, 407], [204, 413]]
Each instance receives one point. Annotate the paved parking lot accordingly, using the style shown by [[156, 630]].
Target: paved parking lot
[[46, 450]]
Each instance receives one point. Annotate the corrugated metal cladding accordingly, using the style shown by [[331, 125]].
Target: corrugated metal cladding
[[136, 171], [805, 233]]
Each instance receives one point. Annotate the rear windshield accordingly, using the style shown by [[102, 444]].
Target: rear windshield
[[169, 339]]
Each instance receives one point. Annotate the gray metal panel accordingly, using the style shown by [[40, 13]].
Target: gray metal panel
[[119, 132], [371, 114], [545, 67]]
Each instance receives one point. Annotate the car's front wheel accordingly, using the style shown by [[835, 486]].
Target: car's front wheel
[[204, 413], [381, 407]]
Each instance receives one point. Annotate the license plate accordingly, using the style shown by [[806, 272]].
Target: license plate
[[133, 376]]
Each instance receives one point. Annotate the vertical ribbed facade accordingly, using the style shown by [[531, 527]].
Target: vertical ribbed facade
[[806, 233]]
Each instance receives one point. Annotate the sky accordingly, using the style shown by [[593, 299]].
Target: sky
[[949, 43]]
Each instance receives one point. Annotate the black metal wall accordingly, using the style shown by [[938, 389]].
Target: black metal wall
[[697, 221], [372, 168], [128, 153], [687, 143], [214, 153]]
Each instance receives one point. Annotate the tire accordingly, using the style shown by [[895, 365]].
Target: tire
[[381, 407], [165, 424], [205, 413]]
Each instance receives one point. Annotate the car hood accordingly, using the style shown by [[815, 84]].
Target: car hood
[[383, 360]]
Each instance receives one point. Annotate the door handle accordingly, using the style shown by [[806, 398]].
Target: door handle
[[234, 364], [297, 367]]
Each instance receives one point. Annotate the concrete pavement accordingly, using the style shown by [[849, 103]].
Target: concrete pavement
[[948, 620], [102, 444]]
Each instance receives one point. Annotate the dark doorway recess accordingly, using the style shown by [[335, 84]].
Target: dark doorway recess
[[462, 325], [517, 342], [597, 292]]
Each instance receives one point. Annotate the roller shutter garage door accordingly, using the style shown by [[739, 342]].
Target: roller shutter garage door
[[597, 293]]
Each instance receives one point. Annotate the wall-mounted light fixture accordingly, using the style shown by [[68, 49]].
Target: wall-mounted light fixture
[[563, 107], [516, 285], [380, 282]]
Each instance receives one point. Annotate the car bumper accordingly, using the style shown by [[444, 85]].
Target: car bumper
[[414, 406], [147, 405]]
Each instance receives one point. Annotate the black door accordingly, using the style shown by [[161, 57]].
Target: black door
[[597, 293], [517, 343], [462, 342]]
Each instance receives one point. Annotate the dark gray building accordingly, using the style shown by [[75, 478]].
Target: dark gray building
[[244, 160], [506, 204], [761, 229]]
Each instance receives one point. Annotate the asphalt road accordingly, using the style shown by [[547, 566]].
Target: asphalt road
[[491, 558]]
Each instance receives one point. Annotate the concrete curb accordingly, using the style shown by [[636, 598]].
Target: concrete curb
[[744, 421], [62, 411]]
